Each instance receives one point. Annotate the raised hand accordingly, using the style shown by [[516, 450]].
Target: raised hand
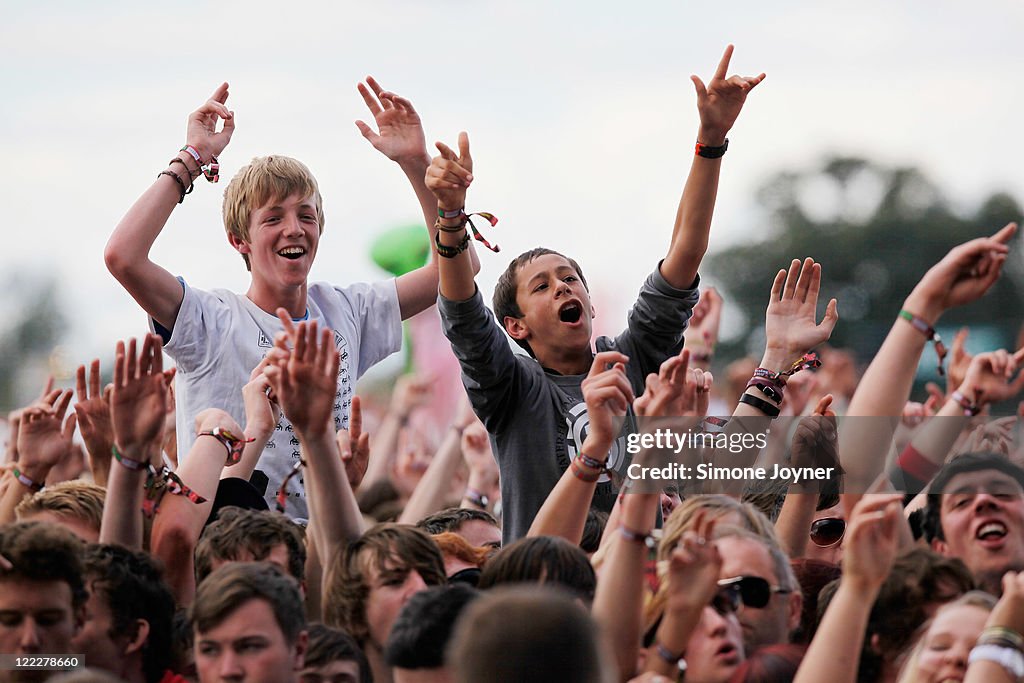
[[815, 441], [962, 276], [790, 322], [665, 393], [202, 130], [702, 332], [990, 377], [450, 174], [44, 437], [694, 567], [354, 445], [401, 131], [477, 454], [720, 102], [697, 392], [93, 412], [410, 392], [262, 412], [138, 400], [306, 383], [608, 394], [872, 540]]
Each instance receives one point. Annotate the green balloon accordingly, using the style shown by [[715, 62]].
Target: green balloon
[[402, 249]]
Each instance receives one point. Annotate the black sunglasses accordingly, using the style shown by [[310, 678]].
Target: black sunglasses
[[753, 591], [726, 601], [827, 531]]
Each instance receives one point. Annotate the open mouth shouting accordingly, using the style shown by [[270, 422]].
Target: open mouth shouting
[[570, 312]]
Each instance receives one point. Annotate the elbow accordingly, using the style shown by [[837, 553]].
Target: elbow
[[114, 260], [172, 540]]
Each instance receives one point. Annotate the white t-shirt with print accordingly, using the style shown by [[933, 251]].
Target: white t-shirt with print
[[220, 336]]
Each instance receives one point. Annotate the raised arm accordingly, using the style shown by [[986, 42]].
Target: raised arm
[[305, 383], [137, 406], [962, 276], [93, 411], [448, 177], [43, 440], [127, 252], [871, 546], [401, 140], [718, 103]]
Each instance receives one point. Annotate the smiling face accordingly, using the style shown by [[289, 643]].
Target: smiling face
[[557, 312], [282, 242], [982, 516], [948, 642]]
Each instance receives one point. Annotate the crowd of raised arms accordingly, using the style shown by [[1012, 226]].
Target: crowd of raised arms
[[233, 518]]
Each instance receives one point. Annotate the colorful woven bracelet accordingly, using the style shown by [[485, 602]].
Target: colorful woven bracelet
[[922, 326], [25, 481]]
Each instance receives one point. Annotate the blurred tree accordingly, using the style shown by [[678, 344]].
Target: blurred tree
[[875, 230], [33, 323]]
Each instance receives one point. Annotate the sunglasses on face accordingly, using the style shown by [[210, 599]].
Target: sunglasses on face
[[827, 531], [752, 591], [726, 601]]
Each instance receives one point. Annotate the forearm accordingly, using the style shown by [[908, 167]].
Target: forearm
[[834, 653], [122, 508], [618, 603], [383, 448], [935, 439], [674, 633], [251, 454], [17, 491], [179, 522], [340, 520], [564, 512], [693, 219], [429, 495], [794, 522], [456, 275]]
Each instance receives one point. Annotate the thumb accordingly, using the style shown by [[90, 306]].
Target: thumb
[[698, 84]]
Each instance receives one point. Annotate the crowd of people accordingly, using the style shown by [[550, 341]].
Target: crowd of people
[[243, 516]]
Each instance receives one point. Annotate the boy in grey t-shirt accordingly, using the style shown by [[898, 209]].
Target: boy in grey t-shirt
[[533, 407]]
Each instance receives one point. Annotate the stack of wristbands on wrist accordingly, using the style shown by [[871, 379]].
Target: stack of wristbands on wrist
[[1002, 646], [464, 220], [773, 384], [590, 463], [970, 409], [210, 170]]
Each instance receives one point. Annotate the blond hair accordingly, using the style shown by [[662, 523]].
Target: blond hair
[[265, 180], [77, 499]]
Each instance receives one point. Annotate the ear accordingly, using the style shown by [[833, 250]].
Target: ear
[[940, 547], [516, 328], [301, 644], [140, 637], [796, 605], [79, 618], [239, 245]]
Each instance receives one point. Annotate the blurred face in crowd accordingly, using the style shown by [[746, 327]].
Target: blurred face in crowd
[[948, 642], [481, 534], [248, 647], [94, 640], [390, 587], [338, 671], [982, 516], [37, 617], [715, 649], [772, 623]]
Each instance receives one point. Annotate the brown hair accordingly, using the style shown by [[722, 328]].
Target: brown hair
[[542, 559], [233, 585], [40, 551], [264, 180], [77, 499], [394, 546], [504, 299], [238, 531]]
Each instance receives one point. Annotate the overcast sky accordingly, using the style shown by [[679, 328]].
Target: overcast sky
[[581, 115]]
